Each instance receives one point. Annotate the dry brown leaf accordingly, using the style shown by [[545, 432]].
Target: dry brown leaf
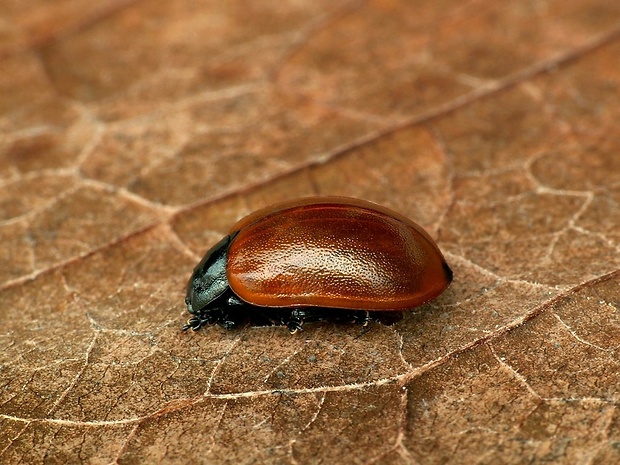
[[133, 134]]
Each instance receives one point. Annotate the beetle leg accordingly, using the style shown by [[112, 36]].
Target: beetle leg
[[225, 311], [363, 319], [225, 317], [295, 320], [219, 316], [227, 324], [235, 302], [195, 323], [294, 326], [189, 324], [228, 314]]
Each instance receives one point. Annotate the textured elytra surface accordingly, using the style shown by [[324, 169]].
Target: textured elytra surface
[[337, 252], [134, 134]]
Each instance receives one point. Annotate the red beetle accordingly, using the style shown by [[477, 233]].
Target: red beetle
[[313, 259]]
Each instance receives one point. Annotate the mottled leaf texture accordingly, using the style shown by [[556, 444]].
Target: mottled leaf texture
[[134, 133]]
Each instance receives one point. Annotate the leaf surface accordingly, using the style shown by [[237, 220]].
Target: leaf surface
[[132, 136]]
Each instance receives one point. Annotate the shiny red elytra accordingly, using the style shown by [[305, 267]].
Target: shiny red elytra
[[314, 259]]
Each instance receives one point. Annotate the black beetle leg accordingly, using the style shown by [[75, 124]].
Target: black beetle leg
[[194, 323], [227, 324], [230, 314], [234, 301], [359, 317], [191, 323], [294, 326], [224, 318], [295, 320]]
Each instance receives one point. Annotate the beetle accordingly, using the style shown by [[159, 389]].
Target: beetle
[[316, 258]]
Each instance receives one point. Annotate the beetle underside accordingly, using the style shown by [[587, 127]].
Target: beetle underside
[[229, 312]]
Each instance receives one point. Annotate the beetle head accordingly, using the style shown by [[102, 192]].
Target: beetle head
[[209, 281]]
